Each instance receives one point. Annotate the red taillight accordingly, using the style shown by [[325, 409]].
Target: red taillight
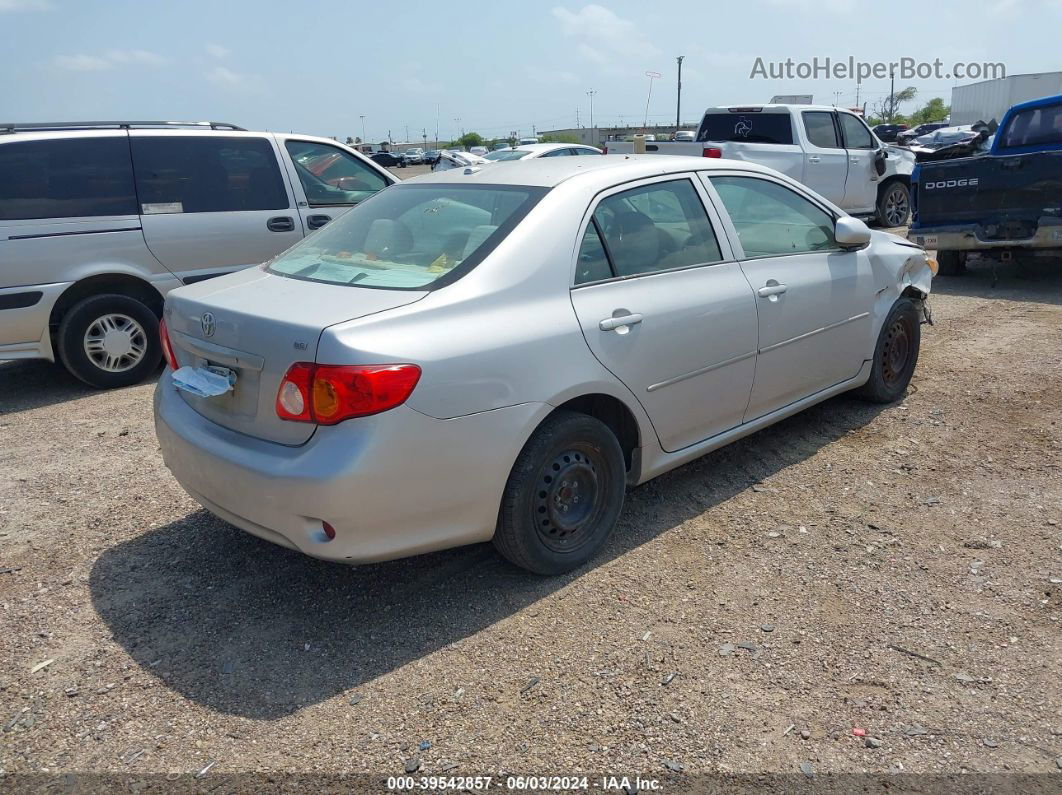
[[167, 348], [712, 151], [328, 394]]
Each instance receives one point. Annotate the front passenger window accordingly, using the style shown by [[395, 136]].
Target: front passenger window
[[771, 219], [332, 176]]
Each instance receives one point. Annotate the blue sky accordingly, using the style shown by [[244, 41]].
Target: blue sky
[[317, 67]]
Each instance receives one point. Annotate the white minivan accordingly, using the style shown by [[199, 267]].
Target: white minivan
[[99, 220]]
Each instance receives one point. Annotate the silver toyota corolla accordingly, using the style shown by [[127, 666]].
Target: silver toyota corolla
[[498, 353]]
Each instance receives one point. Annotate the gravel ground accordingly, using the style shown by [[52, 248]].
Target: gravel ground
[[894, 569]]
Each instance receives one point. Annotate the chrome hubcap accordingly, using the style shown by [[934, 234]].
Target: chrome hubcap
[[115, 343], [896, 208]]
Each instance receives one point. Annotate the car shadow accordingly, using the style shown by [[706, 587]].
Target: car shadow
[[1039, 281], [35, 383], [251, 629]]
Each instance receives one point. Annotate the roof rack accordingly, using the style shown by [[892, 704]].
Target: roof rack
[[13, 127]]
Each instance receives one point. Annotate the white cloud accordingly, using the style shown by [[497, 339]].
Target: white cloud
[[550, 76], [217, 51], [109, 60], [415, 85], [25, 5], [603, 37], [237, 81]]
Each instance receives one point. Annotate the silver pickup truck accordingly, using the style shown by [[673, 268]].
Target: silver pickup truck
[[830, 150]]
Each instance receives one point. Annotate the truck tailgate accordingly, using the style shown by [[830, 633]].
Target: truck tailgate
[[1004, 196]]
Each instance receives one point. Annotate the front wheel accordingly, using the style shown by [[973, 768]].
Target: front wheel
[[894, 205], [895, 355], [564, 495], [110, 341]]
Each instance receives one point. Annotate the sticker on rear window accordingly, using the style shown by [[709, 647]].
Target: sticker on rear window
[[159, 208]]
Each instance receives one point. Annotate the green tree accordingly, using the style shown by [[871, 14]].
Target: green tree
[[349, 140], [560, 138], [887, 107], [934, 110], [469, 139]]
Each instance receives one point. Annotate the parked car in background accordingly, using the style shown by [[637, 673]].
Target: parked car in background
[[530, 151], [448, 159], [654, 309], [528, 139], [907, 136], [684, 135], [414, 156], [478, 150], [501, 145], [830, 150], [98, 221], [889, 132], [1001, 203], [389, 159], [942, 137]]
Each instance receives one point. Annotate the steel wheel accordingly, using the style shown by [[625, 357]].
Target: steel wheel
[[897, 206], [895, 353], [568, 499], [115, 343]]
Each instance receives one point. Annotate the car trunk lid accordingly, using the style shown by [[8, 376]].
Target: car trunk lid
[[255, 325]]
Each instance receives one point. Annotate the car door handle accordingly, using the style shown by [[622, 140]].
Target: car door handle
[[317, 221], [282, 223], [814, 159], [771, 289], [612, 323]]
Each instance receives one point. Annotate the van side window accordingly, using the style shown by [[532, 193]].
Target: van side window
[[331, 176], [200, 174], [66, 178]]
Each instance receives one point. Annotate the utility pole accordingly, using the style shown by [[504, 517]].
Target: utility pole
[[590, 94], [892, 92], [437, 107], [363, 130], [858, 86], [678, 103], [577, 118], [407, 132], [458, 122], [652, 76]]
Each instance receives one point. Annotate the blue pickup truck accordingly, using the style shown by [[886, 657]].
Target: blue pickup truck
[[1004, 201]]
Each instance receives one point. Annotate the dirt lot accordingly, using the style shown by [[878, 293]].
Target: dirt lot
[[894, 569]]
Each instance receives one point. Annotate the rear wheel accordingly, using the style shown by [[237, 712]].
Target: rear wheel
[[564, 495], [952, 263], [895, 355], [894, 205], [110, 341]]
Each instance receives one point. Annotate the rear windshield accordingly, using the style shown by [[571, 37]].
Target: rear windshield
[[410, 237], [747, 128], [508, 154]]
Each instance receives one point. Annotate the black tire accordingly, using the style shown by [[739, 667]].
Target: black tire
[[145, 350], [951, 263], [894, 204], [542, 527], [895, 355]]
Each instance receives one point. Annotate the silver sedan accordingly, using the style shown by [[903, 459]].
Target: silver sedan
[[497, 353]]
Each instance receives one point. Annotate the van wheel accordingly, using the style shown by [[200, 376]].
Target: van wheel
[[895, 355], [894, 205], [564, 495], [110, 341], [951, 263]]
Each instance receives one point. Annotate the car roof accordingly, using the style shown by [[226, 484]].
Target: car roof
[[775, 108], [607, 169], [547, 147]]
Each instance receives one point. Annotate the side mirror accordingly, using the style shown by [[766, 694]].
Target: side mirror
[[879, 161], [850, 232]]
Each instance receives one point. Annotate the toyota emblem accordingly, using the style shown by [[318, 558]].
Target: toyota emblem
[[208, 324]]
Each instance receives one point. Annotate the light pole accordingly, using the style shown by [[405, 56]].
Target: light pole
[[678, 103], [652, 76], [457, 121], [590, 94], [363, 130]]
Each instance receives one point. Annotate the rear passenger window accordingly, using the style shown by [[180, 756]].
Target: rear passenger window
[[593, 262], [820, 129], [656, 227], [200, 174], [66, 178]]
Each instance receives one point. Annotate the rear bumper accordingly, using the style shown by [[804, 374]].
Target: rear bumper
[[967, 237], [394, 484], [24, 316]]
